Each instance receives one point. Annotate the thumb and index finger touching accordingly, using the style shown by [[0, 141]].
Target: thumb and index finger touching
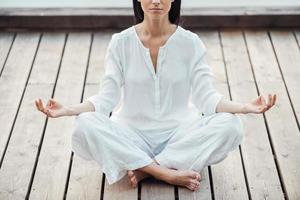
[[40, 106]]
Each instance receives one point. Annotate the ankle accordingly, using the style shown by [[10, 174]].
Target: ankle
[[157, 171], [165, 175]]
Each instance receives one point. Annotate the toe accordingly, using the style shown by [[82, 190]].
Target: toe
[[132, 178], [130, 173], [194, 181], [132, 184], [197, 185], [199, 177], [194, 185], [195, 175], [133, 181], [190, 186]]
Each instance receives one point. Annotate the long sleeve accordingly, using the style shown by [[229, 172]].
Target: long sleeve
[[204, 96], [112, 80]]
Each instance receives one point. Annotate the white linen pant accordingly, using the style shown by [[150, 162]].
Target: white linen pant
[[193, 145]]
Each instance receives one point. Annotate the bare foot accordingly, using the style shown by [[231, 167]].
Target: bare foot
[[136, 176], [186, 178]]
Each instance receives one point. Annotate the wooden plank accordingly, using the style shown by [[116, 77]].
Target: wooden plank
[[120, 190], [203, 193], [158, 190], [6, 40], [19, 160], [262, 175], [86, 177], [54, 160], [13, 80], [281, 121], [228, 176], [288, 55]]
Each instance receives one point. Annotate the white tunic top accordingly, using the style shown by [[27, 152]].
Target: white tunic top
[[179, 91]]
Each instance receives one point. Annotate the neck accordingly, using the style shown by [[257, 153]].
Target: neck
[[155, 27]]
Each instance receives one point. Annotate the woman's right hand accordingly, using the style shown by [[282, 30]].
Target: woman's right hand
[[53, 108]]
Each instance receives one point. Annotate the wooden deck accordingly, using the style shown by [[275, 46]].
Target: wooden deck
[[36, 160]]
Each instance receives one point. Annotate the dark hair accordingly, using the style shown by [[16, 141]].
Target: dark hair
[[174, 13]]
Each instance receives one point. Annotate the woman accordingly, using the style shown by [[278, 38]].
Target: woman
[[155, 83]]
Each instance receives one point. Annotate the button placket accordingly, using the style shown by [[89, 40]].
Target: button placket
[[156, 78], [162, 57], [149, 64], [157, 95]]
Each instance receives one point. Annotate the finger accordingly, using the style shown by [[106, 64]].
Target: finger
[[270, 100], [263, 100], [196, 182], [42, 105], [194, 187], [262, 109], [36, 104], [272, 103], [190, 186], [52, 102], [39, 105], [274, 99], [258, 100]]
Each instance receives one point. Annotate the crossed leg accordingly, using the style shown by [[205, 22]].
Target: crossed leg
[[96, 137], [196, 145]]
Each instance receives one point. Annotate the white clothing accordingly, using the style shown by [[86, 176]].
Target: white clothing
[[155, 115], [156, 102], [117, 148]]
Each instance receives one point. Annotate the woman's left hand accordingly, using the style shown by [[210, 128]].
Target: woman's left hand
[[259, 105]]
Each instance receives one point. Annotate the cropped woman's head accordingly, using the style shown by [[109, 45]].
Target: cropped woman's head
[[155, 9]]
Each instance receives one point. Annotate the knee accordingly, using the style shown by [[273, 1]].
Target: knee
[[83, 120], [233, 127], [87, 120], [83, 124], [79, 141]]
